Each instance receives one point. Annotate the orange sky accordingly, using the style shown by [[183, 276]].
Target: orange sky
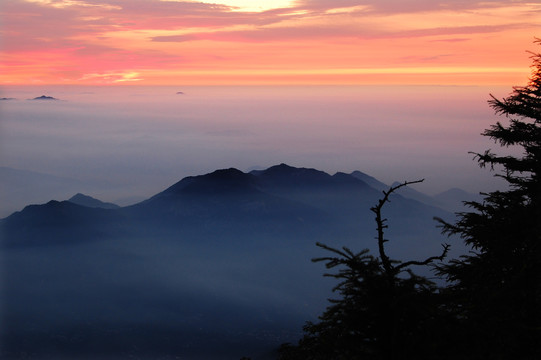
[[267, 42]]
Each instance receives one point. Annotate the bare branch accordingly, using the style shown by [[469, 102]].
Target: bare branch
[[385, 260], [427, 261]]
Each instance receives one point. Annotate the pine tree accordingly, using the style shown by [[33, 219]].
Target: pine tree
[[384, 310], [495, 290]]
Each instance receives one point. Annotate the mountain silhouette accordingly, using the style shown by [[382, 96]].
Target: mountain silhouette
[[452, 199], [285, 176], [280, 198], [88, 201], [22, 187], [218, 182], [411, 193], [370, 180], [44, 97], [216, 265], [58, 222]]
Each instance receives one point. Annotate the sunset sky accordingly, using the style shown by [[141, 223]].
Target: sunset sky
[[171, 42]]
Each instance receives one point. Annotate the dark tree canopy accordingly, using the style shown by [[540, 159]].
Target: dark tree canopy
[[490, 307], [385, 311], [497, 287]]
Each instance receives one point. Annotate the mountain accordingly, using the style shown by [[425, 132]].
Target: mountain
[[373, 182], [223, 181], [214, 266], [286, 176], [20, 187], [58, 222], [88, 201], [453, 199], [313, 187], [44, 97], [411, 193]]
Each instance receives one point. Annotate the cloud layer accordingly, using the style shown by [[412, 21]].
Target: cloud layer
[[160, 42]]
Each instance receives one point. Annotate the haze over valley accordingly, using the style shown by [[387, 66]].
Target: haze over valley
[[259, 180], [220, 261], [125, 144]]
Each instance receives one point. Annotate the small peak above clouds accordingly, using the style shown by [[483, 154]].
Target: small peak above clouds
[[44, 97]]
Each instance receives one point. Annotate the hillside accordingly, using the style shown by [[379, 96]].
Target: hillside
[[216, 265]]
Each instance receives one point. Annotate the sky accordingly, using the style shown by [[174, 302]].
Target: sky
[[401, 88], [119, 143], [238, 42]]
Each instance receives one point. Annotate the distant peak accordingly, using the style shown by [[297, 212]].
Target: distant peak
[[287, 176], [284, 168], [89, 201], [44, 97], [231, 172], [80, 196], [218, 181]]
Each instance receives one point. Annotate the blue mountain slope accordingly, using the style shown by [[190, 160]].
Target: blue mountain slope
[[20, 187], [372, 181], [215, 266], [218, 182], [59, 223], [453, 199], [88, 201]]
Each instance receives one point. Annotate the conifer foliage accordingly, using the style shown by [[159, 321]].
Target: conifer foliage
[[496, 289], [385, 311], [490, 307]]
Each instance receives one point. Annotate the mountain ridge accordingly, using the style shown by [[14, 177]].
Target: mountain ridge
[[88, 201], [24, 187], [221, 258], [293, 197]]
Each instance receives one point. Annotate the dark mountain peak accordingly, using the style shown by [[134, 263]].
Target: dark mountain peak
[[282, 167], [88, 201], [44, 97], [41, 213], [411, 193], [346, 179], [219, 181], [224, 174], [289, 170], [372, 181], [454, 198], [57, 222], [287, 176], [454, 192]]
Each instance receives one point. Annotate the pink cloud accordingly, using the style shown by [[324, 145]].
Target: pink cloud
[[30, 25], [113, 35], [406, 6], [329, 32]]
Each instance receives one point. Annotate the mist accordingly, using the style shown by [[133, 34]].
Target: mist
[[216, 266], [124, 144], [116, 299]]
